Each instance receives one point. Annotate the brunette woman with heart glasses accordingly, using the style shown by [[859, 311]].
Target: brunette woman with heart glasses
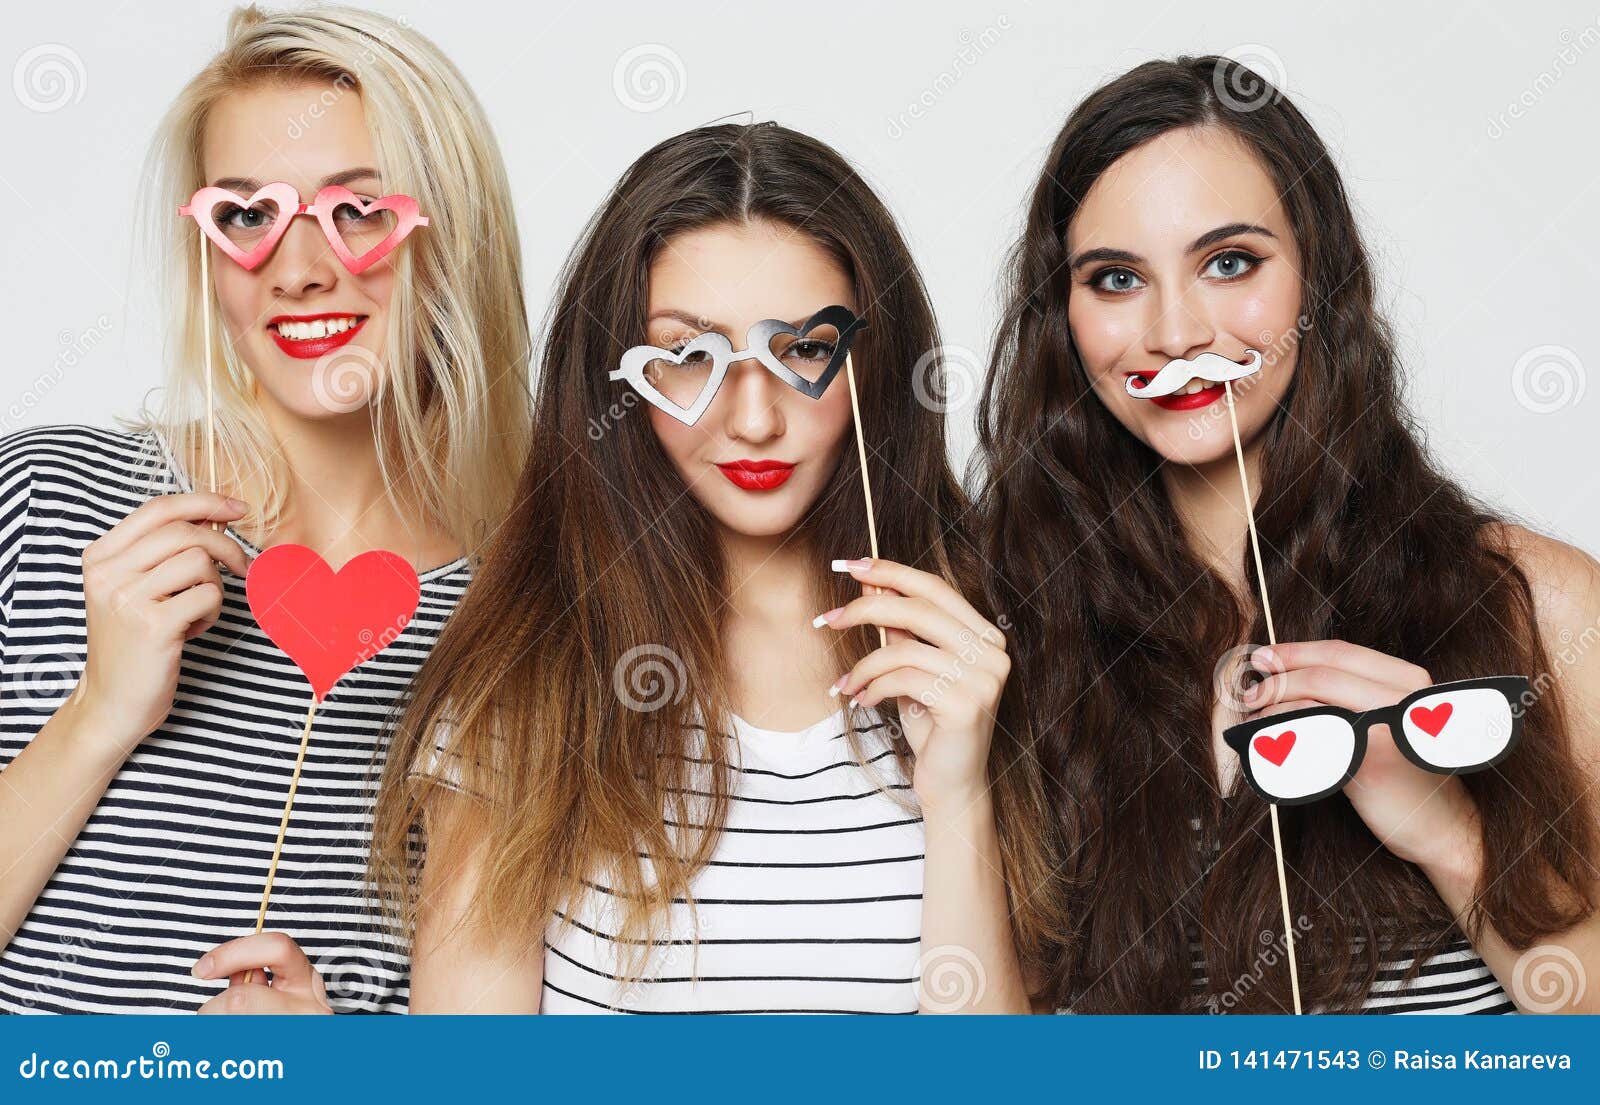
[[650, 775], [339, 234], [1186, 209]]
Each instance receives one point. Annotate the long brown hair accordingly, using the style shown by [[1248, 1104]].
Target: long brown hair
[[605, 584], [1363, 538]]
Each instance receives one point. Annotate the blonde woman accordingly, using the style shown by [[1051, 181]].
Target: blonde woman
[[147, 726]]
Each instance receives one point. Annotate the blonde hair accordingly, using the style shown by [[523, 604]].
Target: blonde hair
[[451, 432]]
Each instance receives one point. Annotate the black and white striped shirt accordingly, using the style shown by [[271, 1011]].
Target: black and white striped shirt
[[173, 859], [1453, 980], [812, 901]]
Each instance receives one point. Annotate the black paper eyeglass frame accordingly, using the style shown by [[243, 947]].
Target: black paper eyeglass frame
[[1238, 737]]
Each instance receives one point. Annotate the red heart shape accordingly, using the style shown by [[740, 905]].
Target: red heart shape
[[1431, 721], [1275, 749], [327, 621]]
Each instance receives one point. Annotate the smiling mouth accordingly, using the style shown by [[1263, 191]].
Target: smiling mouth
[[314, 335], [1195, 394]]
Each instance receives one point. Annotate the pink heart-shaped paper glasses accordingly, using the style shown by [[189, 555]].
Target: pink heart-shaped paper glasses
[[285, 201]]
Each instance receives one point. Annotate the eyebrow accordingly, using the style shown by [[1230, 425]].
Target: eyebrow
[[345, 177], [697, 321], [1205, 241]]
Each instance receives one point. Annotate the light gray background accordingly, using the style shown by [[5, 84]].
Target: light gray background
[[1466, 133]]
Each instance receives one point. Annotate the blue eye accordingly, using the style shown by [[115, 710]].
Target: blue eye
[[1231, 265], [1116, 281]]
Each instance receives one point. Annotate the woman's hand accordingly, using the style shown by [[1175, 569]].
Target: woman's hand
[[944, 663], [1422, 817], [150, 584], [296, 987]]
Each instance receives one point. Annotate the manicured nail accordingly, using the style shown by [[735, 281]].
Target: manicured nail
[[854, 702], [838, 686], [853, 565], [823, 619], [202, 968], [1263, 655], [236, 504]]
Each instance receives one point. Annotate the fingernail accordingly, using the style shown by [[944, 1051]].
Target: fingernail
[[202, 968], [1265, 655], [823, 619], [854, 702], [860, 565], [833, 691], [236, 504]]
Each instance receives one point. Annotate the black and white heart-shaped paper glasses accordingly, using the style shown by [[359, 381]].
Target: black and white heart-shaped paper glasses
[[683, 381]]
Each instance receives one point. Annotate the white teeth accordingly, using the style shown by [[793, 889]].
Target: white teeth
[[316, 328]]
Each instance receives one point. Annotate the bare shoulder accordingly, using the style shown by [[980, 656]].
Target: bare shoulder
[[1566, 591], [1565, 581]]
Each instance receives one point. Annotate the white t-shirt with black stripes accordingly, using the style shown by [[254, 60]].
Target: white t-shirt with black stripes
[[811, 903], [173, 859]]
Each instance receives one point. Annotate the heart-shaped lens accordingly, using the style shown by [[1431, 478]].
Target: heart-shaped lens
[[1459, 729], [807, 355], [681, 374], [361, 230]]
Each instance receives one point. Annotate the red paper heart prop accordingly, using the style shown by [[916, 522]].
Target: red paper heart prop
[[1275, 749], [327, 621], [1431, 721]]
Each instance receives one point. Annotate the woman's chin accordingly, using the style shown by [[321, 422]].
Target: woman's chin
[[1192, 444]]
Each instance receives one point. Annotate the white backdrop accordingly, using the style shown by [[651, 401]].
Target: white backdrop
[[1466, 134]]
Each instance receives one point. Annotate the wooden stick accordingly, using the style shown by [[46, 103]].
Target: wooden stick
[[866, 483], [1272, 639], [211, 407], [283, 825]]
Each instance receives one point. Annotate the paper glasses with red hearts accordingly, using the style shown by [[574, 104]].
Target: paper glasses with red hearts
[[1449, 729], [361, 232], [683, 381]]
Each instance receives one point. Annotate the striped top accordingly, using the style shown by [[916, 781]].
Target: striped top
[[811, 902], [173, 859], [1454, 980]]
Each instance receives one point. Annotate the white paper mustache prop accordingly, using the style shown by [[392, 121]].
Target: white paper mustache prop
[[1176, 374]]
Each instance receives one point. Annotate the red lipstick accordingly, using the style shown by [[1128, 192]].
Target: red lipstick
[[1202, 398], [310, 348], [756, 475]]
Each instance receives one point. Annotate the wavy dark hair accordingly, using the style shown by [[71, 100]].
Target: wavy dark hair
[[605, 552], [1118, 625]]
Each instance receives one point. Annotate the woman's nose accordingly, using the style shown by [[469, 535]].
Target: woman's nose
[[302, 263]]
